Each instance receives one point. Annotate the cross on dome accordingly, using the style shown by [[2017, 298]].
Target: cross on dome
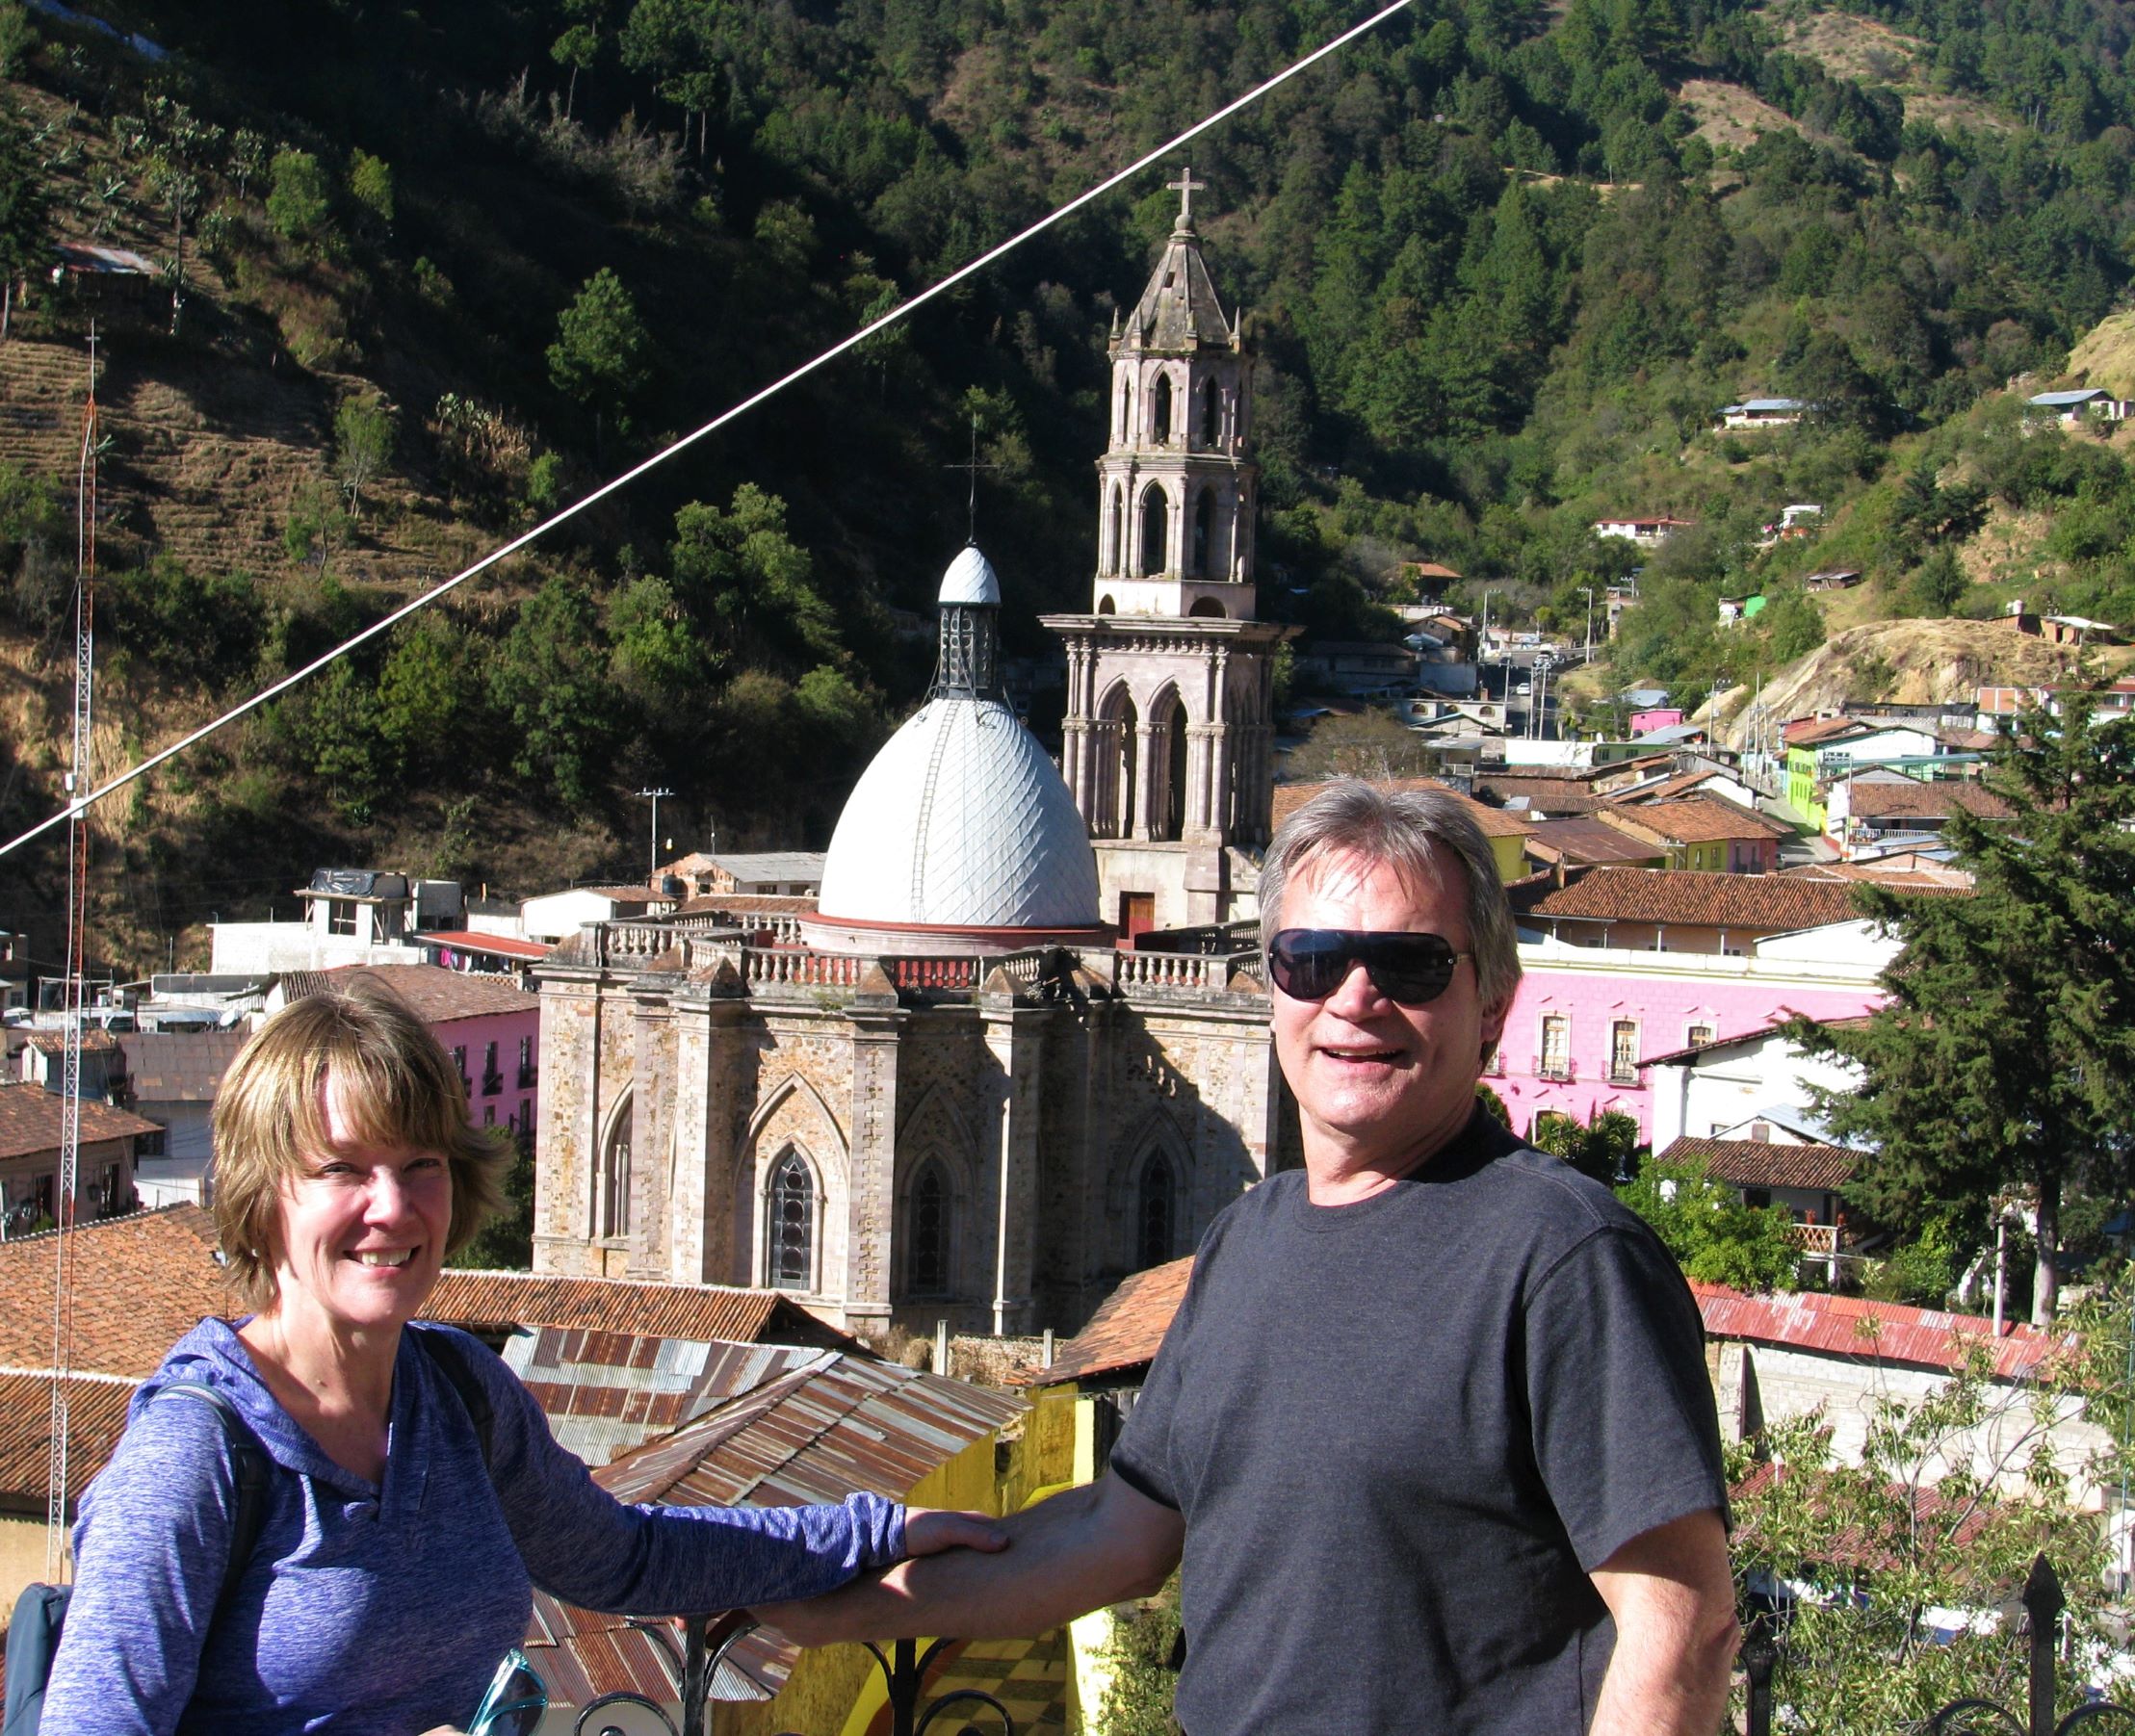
[[1186, 186]]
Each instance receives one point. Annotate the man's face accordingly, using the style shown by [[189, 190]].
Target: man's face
[[1377, 1083]]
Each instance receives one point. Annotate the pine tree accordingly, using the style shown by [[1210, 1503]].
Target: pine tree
[[2006, 1055]]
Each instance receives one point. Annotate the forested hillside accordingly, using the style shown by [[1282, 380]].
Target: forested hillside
[[1502, 265]]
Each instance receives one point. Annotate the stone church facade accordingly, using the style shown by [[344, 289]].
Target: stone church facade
[[943, 1094]]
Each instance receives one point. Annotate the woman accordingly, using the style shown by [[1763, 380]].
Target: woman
[[394, 1557]]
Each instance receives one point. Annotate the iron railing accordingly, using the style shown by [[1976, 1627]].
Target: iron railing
[[706, 1644], [2043, 1603]]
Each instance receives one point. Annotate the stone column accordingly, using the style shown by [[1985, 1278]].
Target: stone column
[[713, 1098], [652, 1137], [1148, 776], [877, 1023], [566, 1158], [1014, 1039]]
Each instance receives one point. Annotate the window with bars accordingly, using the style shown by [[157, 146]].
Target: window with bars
[[341, 916], [1154, 1213], [1622, 1052], [1697, 1036], [927, 1230], [790, 1226], [1555, 1059]]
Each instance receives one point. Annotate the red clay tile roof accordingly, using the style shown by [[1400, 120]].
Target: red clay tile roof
[[1553, 795], [94, 1041], [1875, 873], [1699, 820], [1772, 904], [1587, 838], [1128, 1327], [1878, 799], [31, 1120], [752, 904], [628, 1304], [439, 995], [468, 940], [1851, 1325], [140, 1283], [96, 1418], [1757, 1163], [1290, 798]]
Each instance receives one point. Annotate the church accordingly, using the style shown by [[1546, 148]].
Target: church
[[945, 1088]]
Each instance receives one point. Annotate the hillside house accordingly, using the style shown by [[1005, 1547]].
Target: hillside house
[[1588, 840], [1835, 578], [1645, 532], [1357, 666], [1754, 413], [1678, 910], [1725, 1077], [1645, 721], [350, 917], [481, 954], [2071, 407], [1735, 610]]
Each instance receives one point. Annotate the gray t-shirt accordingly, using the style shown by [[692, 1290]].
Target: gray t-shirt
[[1403, 1432]]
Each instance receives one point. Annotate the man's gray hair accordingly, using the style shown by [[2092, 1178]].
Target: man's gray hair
[[1409, 829]]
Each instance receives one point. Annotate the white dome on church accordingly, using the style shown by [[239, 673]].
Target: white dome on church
[[962, 823]]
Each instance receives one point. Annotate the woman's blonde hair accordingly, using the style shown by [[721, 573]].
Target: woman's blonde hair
[[396, 1087]]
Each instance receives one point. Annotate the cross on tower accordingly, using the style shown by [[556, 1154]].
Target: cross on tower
[[972, 467], [1186, 186]]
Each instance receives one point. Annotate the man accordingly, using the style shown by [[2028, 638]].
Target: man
[[1432, 1425]]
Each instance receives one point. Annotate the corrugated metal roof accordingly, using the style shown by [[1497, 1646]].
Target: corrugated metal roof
[[833, 1425], [1874, 1332], [701, 1312], [605, 1393]]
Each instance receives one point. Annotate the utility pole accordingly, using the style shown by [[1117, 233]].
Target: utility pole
[[1587, 591], [655, 794]]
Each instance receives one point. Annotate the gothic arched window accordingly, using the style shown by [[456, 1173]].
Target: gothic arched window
[[1153, 528], [1159, 410], [790, 1226], [1211, 414], [926, 1228], [1204, 529], [1153, 1231], [615, 1175]]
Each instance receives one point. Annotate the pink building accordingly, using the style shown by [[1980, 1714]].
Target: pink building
[[1585, 1017], [1663, 717]]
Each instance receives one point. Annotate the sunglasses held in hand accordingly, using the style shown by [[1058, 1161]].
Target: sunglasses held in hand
[[1410, 969], [515, 1701]]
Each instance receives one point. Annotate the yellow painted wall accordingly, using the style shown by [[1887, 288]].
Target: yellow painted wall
[[21, 1557], [1512, 857]]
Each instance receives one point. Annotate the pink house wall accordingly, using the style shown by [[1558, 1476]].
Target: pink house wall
[[1645, 722], [511, 1102], [1664, 1005]]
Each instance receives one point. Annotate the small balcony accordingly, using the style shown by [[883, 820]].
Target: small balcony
[[530, 1076], [491, 1083], [1563, 1071]]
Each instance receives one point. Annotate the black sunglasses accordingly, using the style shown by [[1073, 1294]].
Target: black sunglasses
[[1411, 969]]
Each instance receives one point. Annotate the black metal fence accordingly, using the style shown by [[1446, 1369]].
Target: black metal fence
[[2043, 1603]]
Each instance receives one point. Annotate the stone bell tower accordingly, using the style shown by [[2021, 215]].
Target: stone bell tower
[[1169, 731]]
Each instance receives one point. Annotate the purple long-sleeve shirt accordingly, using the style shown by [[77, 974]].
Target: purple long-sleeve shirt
[[380, 1610]]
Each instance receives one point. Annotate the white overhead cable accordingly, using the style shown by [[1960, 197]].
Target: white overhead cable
[[630, 476]]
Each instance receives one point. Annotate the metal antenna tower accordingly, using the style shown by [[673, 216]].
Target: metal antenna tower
[[78, 786]]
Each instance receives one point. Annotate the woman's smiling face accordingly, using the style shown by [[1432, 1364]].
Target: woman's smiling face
[[363, 1226]]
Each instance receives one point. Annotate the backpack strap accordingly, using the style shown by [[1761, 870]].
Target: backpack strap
[[451, 1363], [249, 1459]]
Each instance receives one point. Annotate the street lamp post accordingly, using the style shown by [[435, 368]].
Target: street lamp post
[[655, 794], [1587, 591]]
